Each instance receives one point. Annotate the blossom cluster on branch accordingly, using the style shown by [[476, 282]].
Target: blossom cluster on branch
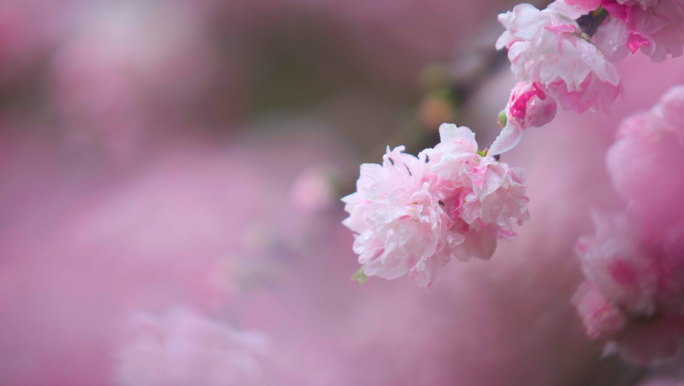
[[633, 295], [413, 214], [550, 51]]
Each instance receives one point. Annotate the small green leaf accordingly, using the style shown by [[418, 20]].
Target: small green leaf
[[359, 276], [482, 153], [502, 118]]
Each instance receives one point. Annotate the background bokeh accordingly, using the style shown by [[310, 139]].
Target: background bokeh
[[170, 175]]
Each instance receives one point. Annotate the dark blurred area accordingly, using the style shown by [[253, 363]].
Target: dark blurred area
[[116, 78]]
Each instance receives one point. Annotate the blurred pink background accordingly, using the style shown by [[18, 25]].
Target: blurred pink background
[[170, 175]]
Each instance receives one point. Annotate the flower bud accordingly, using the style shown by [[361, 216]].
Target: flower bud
[[530, 105]]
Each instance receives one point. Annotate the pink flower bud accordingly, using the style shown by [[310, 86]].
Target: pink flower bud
[[530, 105]]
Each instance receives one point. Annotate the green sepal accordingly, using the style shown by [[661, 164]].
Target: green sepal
[[502, 119], [359, 276]]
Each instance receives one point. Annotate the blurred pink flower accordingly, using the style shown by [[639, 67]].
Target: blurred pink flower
[[636, 258], [628, 301], [184, 348], [617, 263], [313, 189], [646, 160], [603, 321], [84, 251]]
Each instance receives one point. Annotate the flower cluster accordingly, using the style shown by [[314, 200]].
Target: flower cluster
[[549, 50], [633, 296], [548, 47], [413, 214]]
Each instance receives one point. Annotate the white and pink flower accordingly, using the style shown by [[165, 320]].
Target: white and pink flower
[[492, 192], [413, 214], [548, 47], [398, 221]]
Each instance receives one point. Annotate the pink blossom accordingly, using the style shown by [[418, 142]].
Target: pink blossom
[[632, 299], [671, 108], [611, 39], [655, 28], [547, 47], [184, 348], [617, 10], [413, 214], [490, 192], [529, 105], [399, 222], [636, 258], [616, 262], [646, 160]]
